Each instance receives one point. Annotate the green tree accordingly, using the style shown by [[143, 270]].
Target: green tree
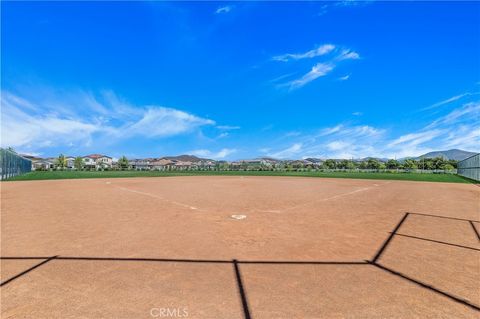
[[410, 164], [438, 163], [330, 164], [428, 164], [350, 165], [78, 163], [61, 161], [342, 164], [453, 163], [123, 162], [392, 164], [373, 163], [448, 167]]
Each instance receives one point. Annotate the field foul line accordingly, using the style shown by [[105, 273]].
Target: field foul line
[[267, 211], [158, 197], [328, 198]]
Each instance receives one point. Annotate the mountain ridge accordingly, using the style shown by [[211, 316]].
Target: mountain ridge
[[452, 154], [186, 158]]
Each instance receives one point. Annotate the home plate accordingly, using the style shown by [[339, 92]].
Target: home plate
[[239, 217]]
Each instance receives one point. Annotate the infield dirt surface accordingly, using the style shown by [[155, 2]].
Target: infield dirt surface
[[307, 248]]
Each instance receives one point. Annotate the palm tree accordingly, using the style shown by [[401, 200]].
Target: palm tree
[[61, 161]]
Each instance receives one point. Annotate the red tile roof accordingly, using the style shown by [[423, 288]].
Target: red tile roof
[[96, 156]]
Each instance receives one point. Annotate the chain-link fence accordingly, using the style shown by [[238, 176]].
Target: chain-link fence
[[12, 164], [470, 167]]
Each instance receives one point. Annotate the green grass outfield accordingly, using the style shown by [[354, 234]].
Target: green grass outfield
[[445, 178]]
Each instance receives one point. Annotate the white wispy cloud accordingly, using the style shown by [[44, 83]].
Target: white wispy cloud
[[347, 54], [281, 77], [224, 9], [318, 70], [227, 127], [414, 139], [340, 141], [222, 135], [337, 145], [319, 51], [470, 110], [330, 130], [163, 122], [344, 78], [20, 129], [334, 55], [289, 152], [450, 100], [357, 130], [221, 154], [341, 4], [292, 133], [458, 128], [465, 136], [83, 119]]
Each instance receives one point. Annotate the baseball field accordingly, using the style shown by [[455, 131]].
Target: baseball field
[[239, 247]]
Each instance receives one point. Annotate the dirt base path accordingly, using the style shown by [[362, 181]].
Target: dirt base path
[[239, 247]]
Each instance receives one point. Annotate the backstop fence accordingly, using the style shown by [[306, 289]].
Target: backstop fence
[[470, 167], [12, 164]]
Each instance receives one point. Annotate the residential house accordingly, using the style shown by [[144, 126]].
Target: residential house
[[181, 165], [70, 162], [97, 161], [139, 164], [43, 164], [104, 161], [89, 162], [206, 164], [161, 164]]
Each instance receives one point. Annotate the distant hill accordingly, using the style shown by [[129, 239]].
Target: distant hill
[[313, 159], [384, 159], [269, 159], [186, 158], [453, 154]]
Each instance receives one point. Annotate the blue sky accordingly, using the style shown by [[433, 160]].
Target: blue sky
[[230, 80]]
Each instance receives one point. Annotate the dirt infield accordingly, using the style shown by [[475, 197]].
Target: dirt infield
[[307, 248]]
